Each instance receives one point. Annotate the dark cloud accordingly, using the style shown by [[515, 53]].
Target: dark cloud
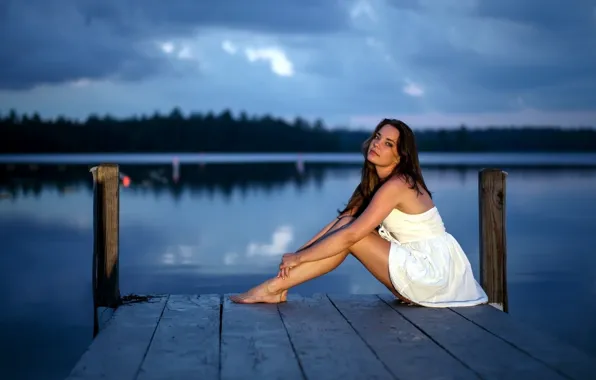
[[49, 43], [357, 55], [64, 40], [457, 66], [566, 30], [559, 15], [473, 79], [293, 16], [540, 51], [52, 61]]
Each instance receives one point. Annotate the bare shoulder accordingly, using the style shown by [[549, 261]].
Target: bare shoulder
[[397, 183], [392, 190], [408, 198], [407, 187]]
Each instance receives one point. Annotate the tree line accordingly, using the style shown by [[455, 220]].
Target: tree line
[[223, 132]]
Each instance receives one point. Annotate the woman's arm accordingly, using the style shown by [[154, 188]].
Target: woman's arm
[[325, 230], [318, 236], [386, 198]]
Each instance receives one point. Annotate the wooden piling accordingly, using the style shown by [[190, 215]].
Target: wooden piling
[[106, 287], [493, 241]]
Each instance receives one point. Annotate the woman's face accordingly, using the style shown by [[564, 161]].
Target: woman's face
[[382, 150]]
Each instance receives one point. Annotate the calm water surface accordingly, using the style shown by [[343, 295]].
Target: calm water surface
[[218, 228]]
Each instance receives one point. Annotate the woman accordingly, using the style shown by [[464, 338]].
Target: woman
[[392, 227]]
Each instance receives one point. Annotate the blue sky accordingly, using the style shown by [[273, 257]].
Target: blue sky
[[350, 62]]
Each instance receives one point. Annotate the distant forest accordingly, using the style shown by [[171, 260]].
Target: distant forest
[[223, 132]]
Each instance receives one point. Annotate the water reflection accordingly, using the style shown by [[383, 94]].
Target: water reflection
[[205, 228], [198, 178], [26, 180]]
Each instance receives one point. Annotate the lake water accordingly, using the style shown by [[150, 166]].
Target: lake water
[[208, 227]]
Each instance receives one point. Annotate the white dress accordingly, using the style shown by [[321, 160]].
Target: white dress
[[426, 264]]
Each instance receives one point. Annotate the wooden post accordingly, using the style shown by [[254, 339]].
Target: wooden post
[[493, 242], [106, 186]]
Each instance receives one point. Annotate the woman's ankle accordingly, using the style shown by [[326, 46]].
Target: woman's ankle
[[275, 285]]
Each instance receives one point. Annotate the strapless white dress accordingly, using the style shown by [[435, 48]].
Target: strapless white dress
[[426, 264]]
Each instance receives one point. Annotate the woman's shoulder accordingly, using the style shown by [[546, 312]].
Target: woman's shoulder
[[402, 189], [397, 181], [393, 188]]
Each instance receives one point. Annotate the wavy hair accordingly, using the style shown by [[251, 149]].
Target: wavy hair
[[408, 168]]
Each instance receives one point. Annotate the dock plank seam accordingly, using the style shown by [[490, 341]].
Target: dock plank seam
[[432, 339], [138, 371], [515, 346], [292, 344], [362, 338]]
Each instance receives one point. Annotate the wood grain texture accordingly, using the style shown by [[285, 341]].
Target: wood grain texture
[[186, 342], [118, 350], [404, 349], [486, 354], [326, 344], [255, 344], [322, 337], [561, 356], [106, 208], [493, 240]]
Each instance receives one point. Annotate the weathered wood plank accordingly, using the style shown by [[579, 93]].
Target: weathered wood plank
[[404, 349], [326, 344], [118, 351], [186, 342], [255, 344], [106, 215], [565, 358], [489, 356], [493, 236], [352, 336]]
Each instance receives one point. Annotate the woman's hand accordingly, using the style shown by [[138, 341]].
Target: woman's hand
[[288, 261]]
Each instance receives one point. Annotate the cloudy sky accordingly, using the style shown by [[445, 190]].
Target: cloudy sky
[[350, 62]]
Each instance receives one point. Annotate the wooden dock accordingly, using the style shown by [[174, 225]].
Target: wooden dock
[[183, 337], [322, 337]]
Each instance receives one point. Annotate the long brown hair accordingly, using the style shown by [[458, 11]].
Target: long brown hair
[[408, 167]]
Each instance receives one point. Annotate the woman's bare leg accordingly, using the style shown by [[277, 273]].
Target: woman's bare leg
[[269, 291], [372, 251]]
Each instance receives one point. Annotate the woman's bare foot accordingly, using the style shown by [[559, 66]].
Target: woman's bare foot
[[261, 294]]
